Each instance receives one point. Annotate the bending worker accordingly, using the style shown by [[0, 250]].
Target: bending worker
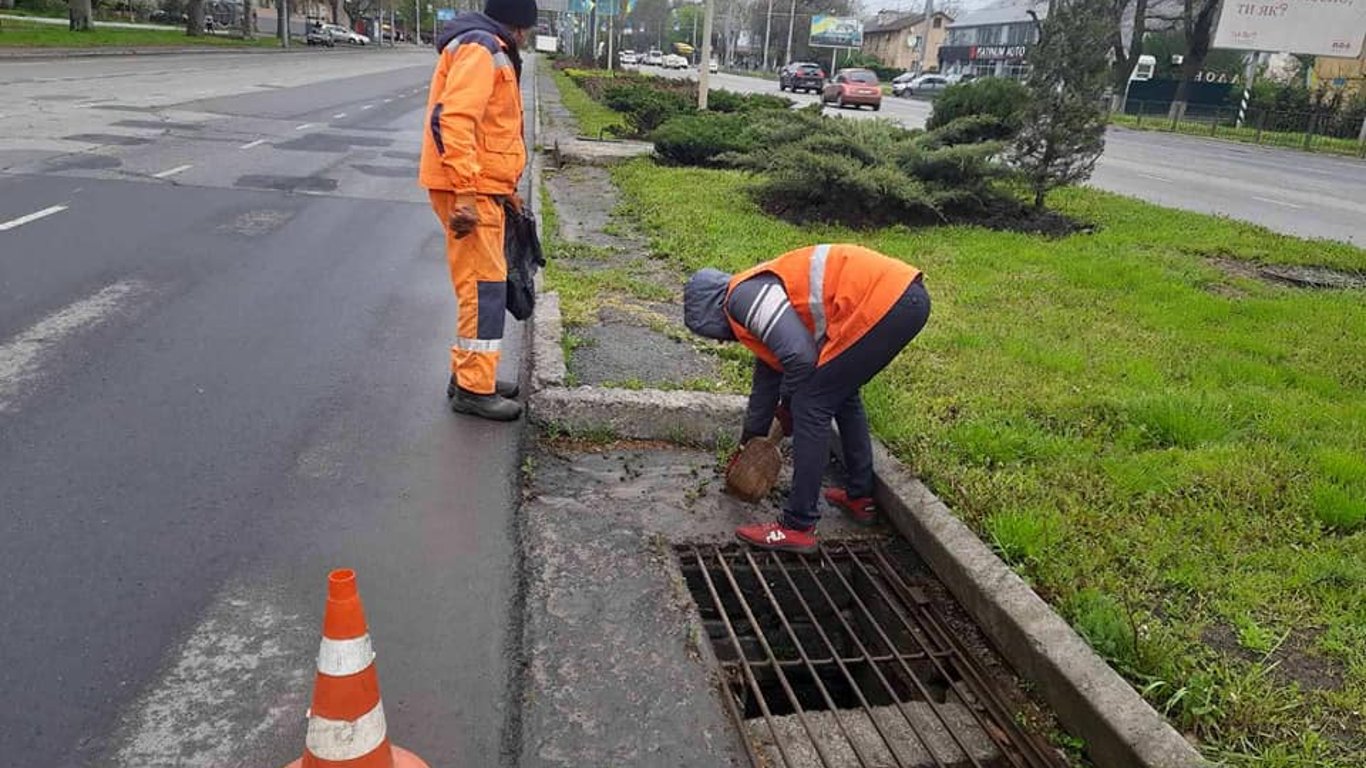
[[822, 321], [472, 158]]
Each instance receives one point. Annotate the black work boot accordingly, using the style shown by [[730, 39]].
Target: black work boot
[[494, 407], [508, 389]]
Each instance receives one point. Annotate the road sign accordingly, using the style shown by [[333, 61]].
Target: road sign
[[836, 32], [1293, 26]]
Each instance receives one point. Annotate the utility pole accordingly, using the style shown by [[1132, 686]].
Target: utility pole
[[417, 22], [925, 38], [791, 24], [284, 41], [768, 27], [704, 69]]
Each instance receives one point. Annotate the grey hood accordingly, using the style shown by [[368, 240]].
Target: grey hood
[[704, 305]]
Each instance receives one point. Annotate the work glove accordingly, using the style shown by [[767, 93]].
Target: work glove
[[465, 215], [783, 413]]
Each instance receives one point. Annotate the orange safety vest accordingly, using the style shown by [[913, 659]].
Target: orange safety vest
[[473, 137], [838, 291]]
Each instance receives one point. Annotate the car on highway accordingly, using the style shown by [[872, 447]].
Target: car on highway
[[853, 88], [653, 58], [627, 57], [924, 85], [674, 61], [801, 76]]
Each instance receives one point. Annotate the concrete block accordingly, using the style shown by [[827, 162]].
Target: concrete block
[[1090, 699], [693, 418]]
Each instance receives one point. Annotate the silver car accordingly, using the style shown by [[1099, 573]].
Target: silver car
[[924, 85]]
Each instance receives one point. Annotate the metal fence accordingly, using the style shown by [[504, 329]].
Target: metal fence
[[1336, 132]]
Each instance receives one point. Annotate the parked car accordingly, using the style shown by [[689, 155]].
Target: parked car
[[963, 77], [654, 58], [674, 61], [627, 57], [924, 85], [341, 34], [319, 36], [801, 76], [853, 88]]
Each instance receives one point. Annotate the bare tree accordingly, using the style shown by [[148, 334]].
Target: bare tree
[[1198, 23], [80, 14]]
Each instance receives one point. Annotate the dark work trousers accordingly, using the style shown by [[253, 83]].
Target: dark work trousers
[[833, 392]]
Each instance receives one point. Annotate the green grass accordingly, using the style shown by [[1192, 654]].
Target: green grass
[[594, 119], [1168, 453], [22, 34], [1246, 134]]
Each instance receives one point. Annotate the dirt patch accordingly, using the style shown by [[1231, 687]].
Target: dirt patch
[[1293, 661], [1295, 276]]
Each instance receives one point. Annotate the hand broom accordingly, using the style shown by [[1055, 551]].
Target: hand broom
[[755, 470]]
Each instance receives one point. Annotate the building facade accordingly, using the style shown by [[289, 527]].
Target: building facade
[[907, 41], [992, 42]]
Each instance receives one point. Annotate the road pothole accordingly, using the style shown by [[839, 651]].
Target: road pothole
[[287, 183]]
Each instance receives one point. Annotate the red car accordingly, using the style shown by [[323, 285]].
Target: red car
[[853, 88]]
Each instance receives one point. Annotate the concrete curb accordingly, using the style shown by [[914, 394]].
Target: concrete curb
[[1090, 699]]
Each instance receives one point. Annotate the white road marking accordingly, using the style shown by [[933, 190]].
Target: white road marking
[[339, 116], [1162, 179], [1277, 202], [253, 144], [303, 127], [172, 171], [22, 357], [368, 106], [386, 101], [22, 220]]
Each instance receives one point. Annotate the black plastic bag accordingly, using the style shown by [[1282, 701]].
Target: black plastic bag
[[522, 247]]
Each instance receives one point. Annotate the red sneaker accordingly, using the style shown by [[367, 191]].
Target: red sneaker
[[774, 536], [861, 511]]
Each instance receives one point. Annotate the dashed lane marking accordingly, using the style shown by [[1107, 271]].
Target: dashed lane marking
[[22, 357], [253, 144], [22, 220], [169, 172]]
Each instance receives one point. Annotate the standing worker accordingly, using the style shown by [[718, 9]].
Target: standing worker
[[822, 321], [472, 159]]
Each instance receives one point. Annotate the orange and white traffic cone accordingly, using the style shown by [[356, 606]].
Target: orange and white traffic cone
[[346, 726]]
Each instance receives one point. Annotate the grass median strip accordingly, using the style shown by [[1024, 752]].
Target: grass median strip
[[1173, 453], [594, 119], [1247, 134], [24, 34]]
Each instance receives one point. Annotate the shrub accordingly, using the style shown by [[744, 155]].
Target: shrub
[[999, 97], [970, 130], [645, 107], [729, 101], [804, 186], [699, 139]]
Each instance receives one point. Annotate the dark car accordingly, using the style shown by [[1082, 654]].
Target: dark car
[[853, 88], [801, 76]]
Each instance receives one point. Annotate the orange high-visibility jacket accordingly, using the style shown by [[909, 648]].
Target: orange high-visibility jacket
[[473, 141], [838, 291]]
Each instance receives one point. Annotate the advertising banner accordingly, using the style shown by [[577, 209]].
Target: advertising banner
[[836, 32], [1316, 27]]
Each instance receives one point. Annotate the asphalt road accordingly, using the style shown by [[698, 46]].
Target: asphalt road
[[224, 323], [1297, 193]]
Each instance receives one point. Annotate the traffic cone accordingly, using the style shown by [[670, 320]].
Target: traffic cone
[[346, 726]]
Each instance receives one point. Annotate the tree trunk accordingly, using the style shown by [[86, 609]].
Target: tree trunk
[[1126, 61], [248, 22], [80, 14], [1198, 37], [281, 23], [336, 11], [195, 10]]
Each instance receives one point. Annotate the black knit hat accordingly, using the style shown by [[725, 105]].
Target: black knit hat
[[518, 14]]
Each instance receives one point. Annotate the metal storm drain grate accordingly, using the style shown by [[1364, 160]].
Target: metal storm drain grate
[[835, 660]]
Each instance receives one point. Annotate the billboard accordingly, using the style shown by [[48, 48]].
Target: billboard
[[1332, 28], [836, 32]]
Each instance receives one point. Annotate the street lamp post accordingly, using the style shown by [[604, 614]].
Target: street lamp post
[[768, 26], [791, 24], [704, 68]]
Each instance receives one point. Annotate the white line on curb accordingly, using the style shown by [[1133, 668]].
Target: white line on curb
[[22, 220], [172, 171], [1276, 202], [21, 358], [253, 144]]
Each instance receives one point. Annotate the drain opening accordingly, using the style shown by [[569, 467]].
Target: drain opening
[[834, 659]]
